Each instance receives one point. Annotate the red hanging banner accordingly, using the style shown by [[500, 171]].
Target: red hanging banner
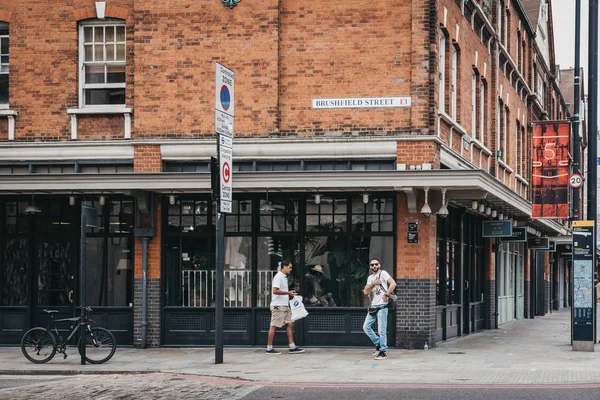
[[550, 170]]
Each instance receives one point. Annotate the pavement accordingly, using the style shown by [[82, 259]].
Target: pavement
[[522, 352]]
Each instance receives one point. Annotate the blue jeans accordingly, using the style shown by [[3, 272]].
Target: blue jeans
[[381, 317]]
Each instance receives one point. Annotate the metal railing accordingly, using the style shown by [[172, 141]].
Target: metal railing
[[198, 288]]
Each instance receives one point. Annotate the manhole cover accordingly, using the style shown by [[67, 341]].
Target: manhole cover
[[456, 352]]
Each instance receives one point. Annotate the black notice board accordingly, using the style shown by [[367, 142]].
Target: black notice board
[[497, 228], [518, 235], [413, 232]]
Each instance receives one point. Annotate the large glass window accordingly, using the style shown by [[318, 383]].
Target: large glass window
[[4, 58], [109, 254], [102, 59], [329, 255], [14, 275]]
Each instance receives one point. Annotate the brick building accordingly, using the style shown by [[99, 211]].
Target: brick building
[[354, 121]]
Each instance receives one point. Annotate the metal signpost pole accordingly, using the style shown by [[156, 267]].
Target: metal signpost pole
[[222, 187], [82, 281], [593, 135]]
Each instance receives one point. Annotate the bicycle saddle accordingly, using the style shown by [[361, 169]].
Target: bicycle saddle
[[50, 311]]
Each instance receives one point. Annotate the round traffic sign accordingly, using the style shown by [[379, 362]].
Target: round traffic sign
[[226, 172], [576, 180], [225, 97]]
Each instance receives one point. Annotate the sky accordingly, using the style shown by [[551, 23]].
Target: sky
[[563, 14]]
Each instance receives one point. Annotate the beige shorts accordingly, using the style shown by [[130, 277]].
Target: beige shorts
[[280, 316]]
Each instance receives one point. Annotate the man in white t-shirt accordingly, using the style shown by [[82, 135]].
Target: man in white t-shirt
[[281, 315], [379, 287]]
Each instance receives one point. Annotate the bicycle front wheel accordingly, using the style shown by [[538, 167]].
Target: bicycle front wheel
[[100, 345], [38, 345]]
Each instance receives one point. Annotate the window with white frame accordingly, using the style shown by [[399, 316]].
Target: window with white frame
[[442, 68], [102, 63], [505, 133], [474, 80], [482, 104], [453, 88], [4, 65], [499, 16], [500, 129]]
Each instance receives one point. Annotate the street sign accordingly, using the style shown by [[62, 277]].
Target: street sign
[[538, 243], [576, 180], [224, 90], [583, 285], [225, 167], [224, 123]]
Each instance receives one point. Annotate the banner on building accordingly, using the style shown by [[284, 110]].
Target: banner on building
[[550, 170]]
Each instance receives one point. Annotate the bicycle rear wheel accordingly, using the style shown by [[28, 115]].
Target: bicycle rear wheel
[[100, 345], [38, 345]]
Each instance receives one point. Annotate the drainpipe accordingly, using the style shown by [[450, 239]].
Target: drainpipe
[[146, 204], [144, 291]]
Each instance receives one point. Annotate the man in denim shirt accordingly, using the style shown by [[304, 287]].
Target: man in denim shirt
[[379, 287]]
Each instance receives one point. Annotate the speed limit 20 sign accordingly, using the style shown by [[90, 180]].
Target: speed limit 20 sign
[[576, 180]]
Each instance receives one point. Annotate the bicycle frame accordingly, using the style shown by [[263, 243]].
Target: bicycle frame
[[61, 344]]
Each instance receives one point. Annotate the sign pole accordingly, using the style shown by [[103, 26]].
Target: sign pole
[[221, 175], [82, 280]]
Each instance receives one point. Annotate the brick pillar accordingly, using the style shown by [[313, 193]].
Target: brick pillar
[[147, 158], [490, 286], [416, 275]]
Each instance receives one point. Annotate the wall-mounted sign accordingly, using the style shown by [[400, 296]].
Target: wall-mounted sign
[[497, 228], [551, 247], [362, 102], [538, 243], [413, 232], [518, 235]]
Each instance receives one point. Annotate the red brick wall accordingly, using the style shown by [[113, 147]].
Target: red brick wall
[[415, 260], [104, 127], [44, 64], [147, 158], [418, 152]]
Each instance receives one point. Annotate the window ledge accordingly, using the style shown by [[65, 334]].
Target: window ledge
[[482, 147], [7, 113], [10, 115], [99, 110], [74, 112], [505, 166], [522, 180]]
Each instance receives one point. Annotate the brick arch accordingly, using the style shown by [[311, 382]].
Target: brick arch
[[90, 13], [4, 16]]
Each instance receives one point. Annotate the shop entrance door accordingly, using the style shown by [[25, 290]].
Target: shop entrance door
[[54, 284]]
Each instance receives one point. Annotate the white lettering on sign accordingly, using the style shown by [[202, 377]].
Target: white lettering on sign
[[226, 173], [365, 102]]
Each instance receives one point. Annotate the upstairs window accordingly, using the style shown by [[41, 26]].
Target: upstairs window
[[3, 65], [102, 63]]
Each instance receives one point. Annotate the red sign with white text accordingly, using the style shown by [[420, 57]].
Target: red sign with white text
[[550, 170]]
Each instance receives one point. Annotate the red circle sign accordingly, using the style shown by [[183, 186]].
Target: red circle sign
[[576, 180], [226, 172]]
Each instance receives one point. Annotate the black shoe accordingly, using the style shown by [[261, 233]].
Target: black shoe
[[273, 352], [296, 350], [376, 352], [381, 356]]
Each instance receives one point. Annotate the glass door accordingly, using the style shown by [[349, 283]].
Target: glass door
[[55, 284]]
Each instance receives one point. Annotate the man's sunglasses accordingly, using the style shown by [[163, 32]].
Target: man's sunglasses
[[372, 265]]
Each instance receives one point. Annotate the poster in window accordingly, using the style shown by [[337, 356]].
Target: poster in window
[[550, 170]]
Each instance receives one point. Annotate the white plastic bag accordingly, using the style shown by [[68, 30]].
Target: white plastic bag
[[298, 310]]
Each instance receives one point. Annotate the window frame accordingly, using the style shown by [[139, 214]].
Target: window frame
[[83, 86], [442, 75], [453, 84], [4, 25]]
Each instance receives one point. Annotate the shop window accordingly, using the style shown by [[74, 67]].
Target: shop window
[[240, 219], [271, 251], [188, 215], [102, 62], [282, 218], [4, 62], [376, 215], [15, 269], [330, 215]]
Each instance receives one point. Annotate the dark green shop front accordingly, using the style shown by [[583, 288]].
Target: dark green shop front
[[328, 237]]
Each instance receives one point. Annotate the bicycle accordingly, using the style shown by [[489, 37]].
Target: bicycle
[[39, 345]]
